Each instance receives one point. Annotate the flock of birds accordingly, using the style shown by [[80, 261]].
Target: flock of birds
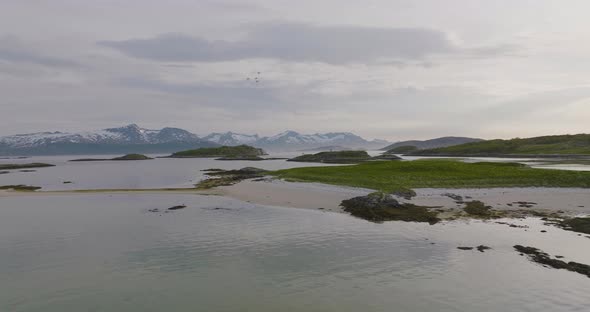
[[256, 79]]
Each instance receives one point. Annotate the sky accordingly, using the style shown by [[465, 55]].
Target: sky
[[388, 69]]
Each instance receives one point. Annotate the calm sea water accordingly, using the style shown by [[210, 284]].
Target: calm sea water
[[101, 252]]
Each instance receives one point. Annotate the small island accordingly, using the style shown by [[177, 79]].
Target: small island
[[341, 157], [126, 157], [24, 166], [245, 152]]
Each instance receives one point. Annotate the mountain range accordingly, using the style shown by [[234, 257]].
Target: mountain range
[[134, 139], [294, 141]]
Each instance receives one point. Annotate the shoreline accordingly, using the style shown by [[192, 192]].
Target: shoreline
[[317, 196]]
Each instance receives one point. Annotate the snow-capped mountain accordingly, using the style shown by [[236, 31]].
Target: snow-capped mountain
[[130, 138], [294, 141], [231, 138], [134, 139]]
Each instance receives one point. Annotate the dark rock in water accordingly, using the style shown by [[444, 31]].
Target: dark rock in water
[[28, 170], [154, 210], [482, 248], [544, 259], [465, 248], [68, 182], [477, 208], [454, 197], [229, 177], [177, 207], [4, 172], [379, 207], [404, 193], [543, 231], [524, 204], [580, 225]]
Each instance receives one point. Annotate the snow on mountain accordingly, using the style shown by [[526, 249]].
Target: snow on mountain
[[291, 140], [231, 139], [131, 134], [128, 138], [133, 138]]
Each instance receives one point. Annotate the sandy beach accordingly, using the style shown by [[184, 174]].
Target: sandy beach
[[572, 201]]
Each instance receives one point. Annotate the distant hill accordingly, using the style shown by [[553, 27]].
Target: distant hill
[[122, 140], [433, 143], [578, 144]]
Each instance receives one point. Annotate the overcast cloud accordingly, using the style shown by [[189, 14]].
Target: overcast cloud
[[390, 69]]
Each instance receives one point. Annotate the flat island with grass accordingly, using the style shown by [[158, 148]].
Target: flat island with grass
[[24, 166], [391, 176], [125, 157], [341, 157], [228, 152]]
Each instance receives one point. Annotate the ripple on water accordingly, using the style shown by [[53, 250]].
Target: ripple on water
[[106, 253]]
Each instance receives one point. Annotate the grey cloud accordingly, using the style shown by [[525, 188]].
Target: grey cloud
[[13, 50], [295, 42]]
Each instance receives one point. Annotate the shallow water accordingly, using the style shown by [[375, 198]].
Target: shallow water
[[109, 253], [154, 173]]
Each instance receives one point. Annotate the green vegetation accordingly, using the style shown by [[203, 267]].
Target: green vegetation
[[379, 207], [402, 149], [578, 144], [581, 225], [390, 176], [478, 209], [338, 157], [132, 157], [228, 177], [20, 187], [23, 166], [223, 151]]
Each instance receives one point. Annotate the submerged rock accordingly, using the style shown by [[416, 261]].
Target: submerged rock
[[229, 177], [379, 207], [580, 225], [177, 207], [478, 208], [538, 256], [482, 248], [465, 248]]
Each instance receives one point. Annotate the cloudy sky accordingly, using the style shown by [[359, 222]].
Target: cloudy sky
[[390, 69]]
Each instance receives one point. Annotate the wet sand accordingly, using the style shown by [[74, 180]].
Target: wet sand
[[295, 195], [572, 201], [314, 195]]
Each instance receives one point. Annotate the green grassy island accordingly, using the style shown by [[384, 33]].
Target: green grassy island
[[557, 145], [394, 176], [125, 157], [241, 151], [24, 166], [341, 157]]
